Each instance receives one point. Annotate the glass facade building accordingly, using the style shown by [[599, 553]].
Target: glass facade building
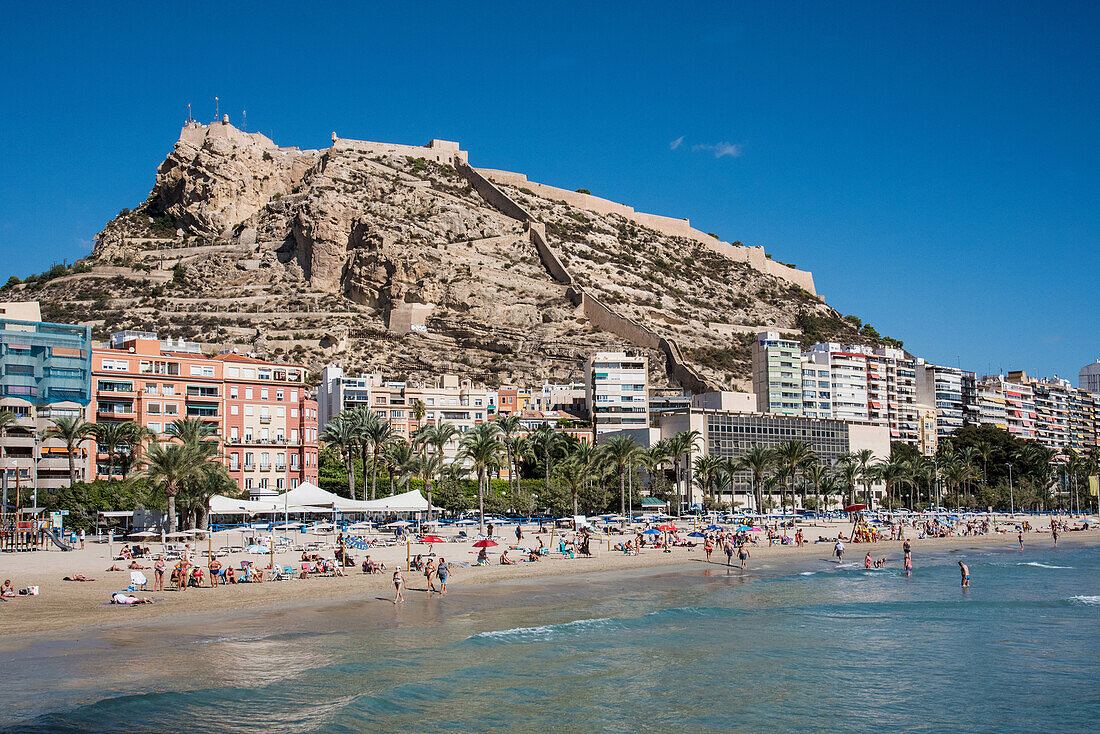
[[44, 363]]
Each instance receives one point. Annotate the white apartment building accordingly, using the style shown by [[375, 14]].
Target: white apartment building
[[817, 391], [942, 387], [447, 400], [777, 374], [1089, 378], [616, 391], [848, 375]]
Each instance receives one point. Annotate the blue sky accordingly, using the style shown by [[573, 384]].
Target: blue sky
[[934, 164]]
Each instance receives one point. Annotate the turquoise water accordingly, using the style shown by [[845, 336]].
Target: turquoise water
[[815, 648]]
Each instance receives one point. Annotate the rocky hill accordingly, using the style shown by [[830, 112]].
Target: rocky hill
[[406, 260]]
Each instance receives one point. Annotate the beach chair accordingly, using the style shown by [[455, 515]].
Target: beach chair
[[288, 571], [138, 580], [307, 568]]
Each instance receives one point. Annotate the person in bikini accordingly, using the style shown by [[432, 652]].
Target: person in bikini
[[399, 585]]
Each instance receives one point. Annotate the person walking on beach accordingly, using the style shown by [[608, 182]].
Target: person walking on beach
[[1020, 537], [519, 533], [708, 546], [965, 575], [838, 549], [443, 571], [429, 575], [1054, 534], [729, 552], [742, 554], [398, 584], [82, 539]]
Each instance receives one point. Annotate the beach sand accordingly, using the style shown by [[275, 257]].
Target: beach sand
[[75, 609]]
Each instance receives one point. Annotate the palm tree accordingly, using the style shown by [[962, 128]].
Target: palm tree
[[134, 437], [848, 469], [793, 455], [110, 435], [509, 426], [707, 470], [679, 446], [575, 472], [71, 431], [340, 433], [419, 410], [7, 418], [829, 485], [815, 473], [984, 449], [864, 459], [758, 461], [427, 467], [546, 442], [173, 466], [378, 433], [401, 460], [195, 494], [621, 452], [481, 447]]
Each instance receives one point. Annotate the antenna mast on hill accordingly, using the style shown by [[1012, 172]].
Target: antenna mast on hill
[[244, 120], [217, 109], [189, 112]]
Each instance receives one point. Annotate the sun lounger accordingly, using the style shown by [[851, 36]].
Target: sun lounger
[[138, 580]]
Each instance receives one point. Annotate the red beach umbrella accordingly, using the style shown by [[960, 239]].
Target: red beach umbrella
[[432, 539], [855, 508], [485, 544], [667, 528]]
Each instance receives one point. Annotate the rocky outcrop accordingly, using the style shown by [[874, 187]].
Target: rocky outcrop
[[405, 260]]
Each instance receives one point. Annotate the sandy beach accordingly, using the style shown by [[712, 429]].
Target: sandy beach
[[73, 609]]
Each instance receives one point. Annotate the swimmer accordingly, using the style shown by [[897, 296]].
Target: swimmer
[[909, 565], [965, 575], [867, 562]]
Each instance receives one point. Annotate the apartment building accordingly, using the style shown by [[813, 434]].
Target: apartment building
[[513, 400], [1018, 398], [262, 410], [1088, 378], [927, 437], [777, 374], [817, 390], [616, 391], [1065, 416], [45, 373], [447, 399], [942, 387], [569, 397], [848, 380]]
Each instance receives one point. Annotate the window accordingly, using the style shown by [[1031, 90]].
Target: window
[[293, 482], [116, 365], [155, 428], [294, 462], [167, 389], [171, 409], [202, 370], [234, 371], [263, 393], [294, 435], [234, 409], [280, 412], [248, 460], [233, 391], [265, 460], [293, 412], [263, 483], [233, 433], [151, 388], [280, 462], [248, 483], [153, 408], [278, 394], [249, 410], [247, 393], [234, 461], [279, 483], [293, 396]]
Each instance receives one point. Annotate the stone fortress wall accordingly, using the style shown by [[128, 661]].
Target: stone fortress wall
[[669, 226]]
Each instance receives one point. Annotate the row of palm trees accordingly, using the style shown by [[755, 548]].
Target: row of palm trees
[[186, 467]]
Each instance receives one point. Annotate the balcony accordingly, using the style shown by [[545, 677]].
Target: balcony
[[265, 419]]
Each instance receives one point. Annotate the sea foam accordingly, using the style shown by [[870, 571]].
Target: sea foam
[[1039, 565], [1090, 600]]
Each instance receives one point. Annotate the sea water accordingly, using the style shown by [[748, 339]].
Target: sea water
[[811, 647]]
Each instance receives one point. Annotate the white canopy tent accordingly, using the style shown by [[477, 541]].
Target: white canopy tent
[[309, 498]]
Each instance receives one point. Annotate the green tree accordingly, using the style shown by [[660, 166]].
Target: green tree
[[73, 431], [793, 456], [482, 448], [172, 466], [621, 452], [758, 461], [341, 434]]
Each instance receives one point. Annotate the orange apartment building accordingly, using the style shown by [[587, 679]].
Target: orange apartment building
[[262, 410]]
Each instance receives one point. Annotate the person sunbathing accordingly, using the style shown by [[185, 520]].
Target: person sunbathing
[[135, 566], [532, 557], [114, 568], [505, 560], [128, 600], [77, 577], [483, 557], [230, 575]]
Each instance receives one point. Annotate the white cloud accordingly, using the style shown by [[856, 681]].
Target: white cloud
[[721, 149], [676, 143]]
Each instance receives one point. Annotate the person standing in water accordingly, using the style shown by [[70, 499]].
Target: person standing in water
[[1020, 537], [1054, 533], [965, 575], [867, 562], [398, 584], [908, 565], [442, 571], [838, 549], [743, 554]]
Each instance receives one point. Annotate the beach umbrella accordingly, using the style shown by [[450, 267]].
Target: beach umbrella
[[667, 528], [714, 527], [485, 543], [144, 534], [397, 524], [696, 534], [432, 539], [855, 508], [651, 531]]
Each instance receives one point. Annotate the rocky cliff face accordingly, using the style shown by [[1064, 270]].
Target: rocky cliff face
[[385, 258]]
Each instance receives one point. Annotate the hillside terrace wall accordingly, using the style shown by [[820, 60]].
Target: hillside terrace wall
[[753, 256], [593, 309], [440, 151]]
